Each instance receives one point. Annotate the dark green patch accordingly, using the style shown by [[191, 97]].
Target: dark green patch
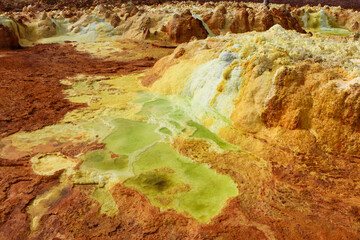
[[165, 131], [152, 182]]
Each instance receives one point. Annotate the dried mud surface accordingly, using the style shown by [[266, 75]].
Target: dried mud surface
[[31, 96]]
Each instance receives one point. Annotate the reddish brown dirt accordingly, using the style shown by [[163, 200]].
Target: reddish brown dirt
[[31, 97], [30, 93], [137, 219], [19, 185]]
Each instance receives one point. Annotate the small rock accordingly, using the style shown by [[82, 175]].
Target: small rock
[[129, 7], [163, 28], [356, 27], [44, 16], [134, 11], [146, 34], [187, 12], [221, 9], [73, 19], [115, 20], [107, 14], [356, 36], [182, 29], [67, 14], [179, 52], [207, 5]]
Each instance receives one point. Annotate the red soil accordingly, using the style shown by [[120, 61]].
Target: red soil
[[30, 93], [30, 98]]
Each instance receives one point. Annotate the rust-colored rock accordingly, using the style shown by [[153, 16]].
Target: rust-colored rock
[[134, 11], [8, 39], [19, 185], [216, 20], [263, 19], [146, 34], [336, 106], [115, 20], [241, 22], [181, 28], [179, 52], [283, 17]]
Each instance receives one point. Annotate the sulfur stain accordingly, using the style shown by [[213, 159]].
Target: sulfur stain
[[107, 202], [203, 132], [137, 129], [130, 136], [48, 164]]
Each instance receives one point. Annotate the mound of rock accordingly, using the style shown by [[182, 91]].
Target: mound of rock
[[309, 96], [182, 28], [8, 39], [216, 20], [263, 19], [46, 28]]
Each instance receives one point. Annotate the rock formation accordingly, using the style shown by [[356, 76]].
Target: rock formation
[[217, 19], [247, 19], [46, 28], [241, 21], [8, 39], [183, 27]]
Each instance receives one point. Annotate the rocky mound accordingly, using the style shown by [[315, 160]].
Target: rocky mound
[[291, 96], [8, 39], [185, 27]]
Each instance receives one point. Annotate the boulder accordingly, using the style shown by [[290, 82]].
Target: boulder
[[46, 28], [283, 17], [115, 20], [8, 39], [241, 22], [134, 11], [182, 28], [263, 20], [216, 20]]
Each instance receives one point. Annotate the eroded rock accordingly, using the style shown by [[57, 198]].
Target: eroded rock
[[216, 20], [46, 28], [8, 39], [181, 28], [115, 20], [241, 22]]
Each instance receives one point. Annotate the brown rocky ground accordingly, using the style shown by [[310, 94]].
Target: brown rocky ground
[[30, 94], [31, 97]]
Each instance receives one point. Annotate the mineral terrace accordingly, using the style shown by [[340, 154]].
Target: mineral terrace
[[179, 120]]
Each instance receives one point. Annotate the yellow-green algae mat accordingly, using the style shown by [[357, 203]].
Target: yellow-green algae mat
[[137, 129]]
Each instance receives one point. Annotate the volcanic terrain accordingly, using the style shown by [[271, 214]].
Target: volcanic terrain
[[179, 120]]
